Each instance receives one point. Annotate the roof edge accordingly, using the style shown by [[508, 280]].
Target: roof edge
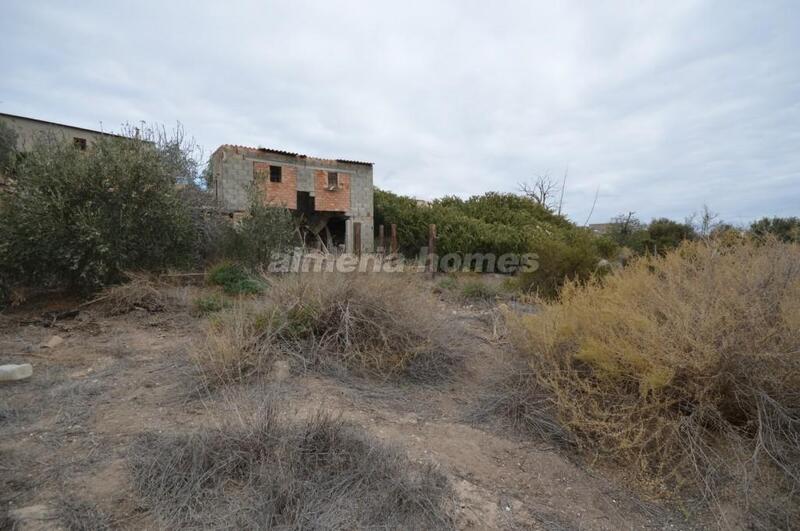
[[59, 124], [291, 154]]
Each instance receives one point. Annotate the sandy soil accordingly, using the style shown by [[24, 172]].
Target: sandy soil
[[65, 432]]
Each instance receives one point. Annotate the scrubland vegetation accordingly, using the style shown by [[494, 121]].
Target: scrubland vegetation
[[385, 326], [785, 229], [685, 366], [261, 472], [668, 352], [80, 219], [497, 224], [139, 291], [235, 279]]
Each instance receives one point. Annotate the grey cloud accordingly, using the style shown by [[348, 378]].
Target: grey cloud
[[660, 107]]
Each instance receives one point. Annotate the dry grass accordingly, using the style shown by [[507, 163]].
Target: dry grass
[[520, 403], [78, 515], [240, 341], [687, 370], [379, 325], [260, 473], [141, 292], [477, 290]]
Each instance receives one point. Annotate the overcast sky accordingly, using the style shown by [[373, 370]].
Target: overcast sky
[[659, 106]]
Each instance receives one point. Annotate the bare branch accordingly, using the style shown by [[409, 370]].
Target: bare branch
[[594, 204], [563, 187], [543, 191]]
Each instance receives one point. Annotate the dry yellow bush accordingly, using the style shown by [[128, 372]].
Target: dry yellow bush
[[141, 291], [686, 367], [239, 341], [379, 324]]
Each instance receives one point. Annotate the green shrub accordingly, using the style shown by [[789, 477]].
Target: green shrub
[[8, 147], [213, 230], [227, 273], [665, 235], [265, 231], [248, 286], [660, 236], [505, 209], [475, 290], [498, 224], [605, 247], [785, 229], [465, 227], [210, 304], [571, 255], [447, 283], [235, 279], [78, 219], [253, 241], [510, 285]]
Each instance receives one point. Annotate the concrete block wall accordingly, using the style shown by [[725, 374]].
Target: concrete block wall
[[367, 234], [361, 194], [235, 181], [30, 131], [305, 179], [362, 206]]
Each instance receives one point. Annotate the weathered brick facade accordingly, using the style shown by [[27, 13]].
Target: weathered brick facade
[[283, 193], [331, 200], [339, 190]]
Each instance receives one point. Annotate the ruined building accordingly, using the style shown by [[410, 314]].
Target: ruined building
[[333, 196]]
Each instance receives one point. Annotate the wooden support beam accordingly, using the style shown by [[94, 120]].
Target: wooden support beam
[[357, 238], [394, 238], [433, 260]]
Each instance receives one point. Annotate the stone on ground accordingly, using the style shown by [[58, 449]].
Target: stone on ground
[[11, 373]]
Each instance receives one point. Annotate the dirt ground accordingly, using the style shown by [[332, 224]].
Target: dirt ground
[[65, 432]]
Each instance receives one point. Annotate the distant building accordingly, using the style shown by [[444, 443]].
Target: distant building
[[30, 129], [421, 202], [601, 228], [335, 196]]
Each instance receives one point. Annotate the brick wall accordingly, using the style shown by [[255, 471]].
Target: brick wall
[[331, 201], [283, 193]]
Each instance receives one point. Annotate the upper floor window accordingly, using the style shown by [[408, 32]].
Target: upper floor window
[[275, 175], [80, 143], [333, 179]]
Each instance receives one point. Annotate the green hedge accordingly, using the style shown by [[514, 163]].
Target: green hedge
[[499, 224], [492, 223]]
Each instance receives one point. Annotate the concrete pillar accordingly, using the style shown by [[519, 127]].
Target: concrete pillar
[[348, 236]]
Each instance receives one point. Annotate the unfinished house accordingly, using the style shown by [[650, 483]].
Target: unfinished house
[[334, 197], [29, 130]]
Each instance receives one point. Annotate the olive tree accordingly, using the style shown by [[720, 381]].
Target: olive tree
[[79, 219]]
